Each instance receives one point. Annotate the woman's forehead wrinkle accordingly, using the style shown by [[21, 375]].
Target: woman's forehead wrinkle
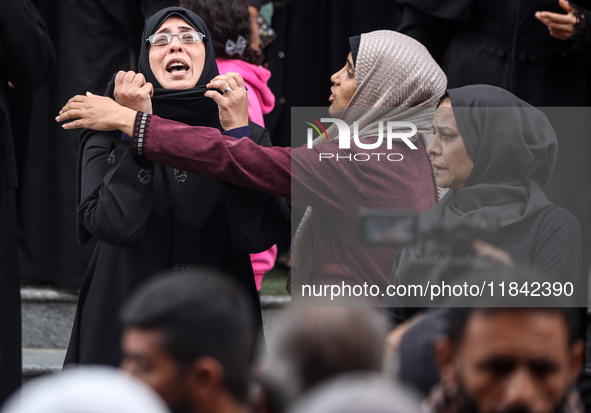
[[182, 28]]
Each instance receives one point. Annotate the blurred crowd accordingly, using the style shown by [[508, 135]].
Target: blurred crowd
[[189, 339]]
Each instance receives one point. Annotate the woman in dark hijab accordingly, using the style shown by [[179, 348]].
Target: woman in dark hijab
[[148, 218], [494, 152]]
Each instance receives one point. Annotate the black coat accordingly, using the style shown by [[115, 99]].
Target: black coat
[[501, 43], [548, 242], [149, 218], [27, 59]]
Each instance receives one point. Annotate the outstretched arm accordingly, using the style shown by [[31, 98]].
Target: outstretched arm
[[206, 151], [98, 113], [195, 149]]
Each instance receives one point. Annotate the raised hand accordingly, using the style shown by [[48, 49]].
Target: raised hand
[[561, 26], [132, 91], [229, 93], [98, 113]]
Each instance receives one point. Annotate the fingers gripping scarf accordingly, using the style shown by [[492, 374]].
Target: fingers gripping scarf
[[189, 106]]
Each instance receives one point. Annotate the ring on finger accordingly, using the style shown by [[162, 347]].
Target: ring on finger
[[226, 90]]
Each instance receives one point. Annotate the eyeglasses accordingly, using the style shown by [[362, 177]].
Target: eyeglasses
[[161, 39]]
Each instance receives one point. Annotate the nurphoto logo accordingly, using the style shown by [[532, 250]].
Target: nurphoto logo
[[399, 131]]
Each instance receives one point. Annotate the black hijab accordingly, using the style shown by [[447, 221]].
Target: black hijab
[[509, 140], [513, 146], [189, 106]]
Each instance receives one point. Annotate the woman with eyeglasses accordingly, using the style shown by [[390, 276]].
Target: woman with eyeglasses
[[387, 77], [148, 218]]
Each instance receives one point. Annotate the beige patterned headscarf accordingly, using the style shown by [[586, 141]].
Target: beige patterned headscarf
[[396, 79]]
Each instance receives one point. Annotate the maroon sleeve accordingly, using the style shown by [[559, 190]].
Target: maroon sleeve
[[206, 151], [337, 184]]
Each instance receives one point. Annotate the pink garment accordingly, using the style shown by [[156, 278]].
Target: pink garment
[[262, 263], [260, 102], [260, 98]]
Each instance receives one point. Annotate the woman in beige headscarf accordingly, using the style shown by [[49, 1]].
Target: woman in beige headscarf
[[392, 78], [387, 77]]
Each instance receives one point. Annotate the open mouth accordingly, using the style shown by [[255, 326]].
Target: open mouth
[[176, 66]]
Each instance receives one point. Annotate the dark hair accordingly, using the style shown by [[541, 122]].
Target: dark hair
[[457, 318], [227, 20], [311, 344], [200, 313], [443, 99]]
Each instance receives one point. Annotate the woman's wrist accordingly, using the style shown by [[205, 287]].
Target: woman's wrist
[[139, 132], [126, 120]]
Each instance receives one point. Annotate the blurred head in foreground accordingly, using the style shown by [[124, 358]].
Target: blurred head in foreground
[[309, 345], [86, 389], [358, 392], [190, 337]]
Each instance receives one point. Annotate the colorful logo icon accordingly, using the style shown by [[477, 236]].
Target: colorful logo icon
[[317, 126]]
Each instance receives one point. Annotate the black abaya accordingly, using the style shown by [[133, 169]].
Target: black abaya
[[149, 218], [27, 58]]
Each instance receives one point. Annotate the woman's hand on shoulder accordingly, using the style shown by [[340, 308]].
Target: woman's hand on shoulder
[[98, 113], [132, 91], [229, 93]]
